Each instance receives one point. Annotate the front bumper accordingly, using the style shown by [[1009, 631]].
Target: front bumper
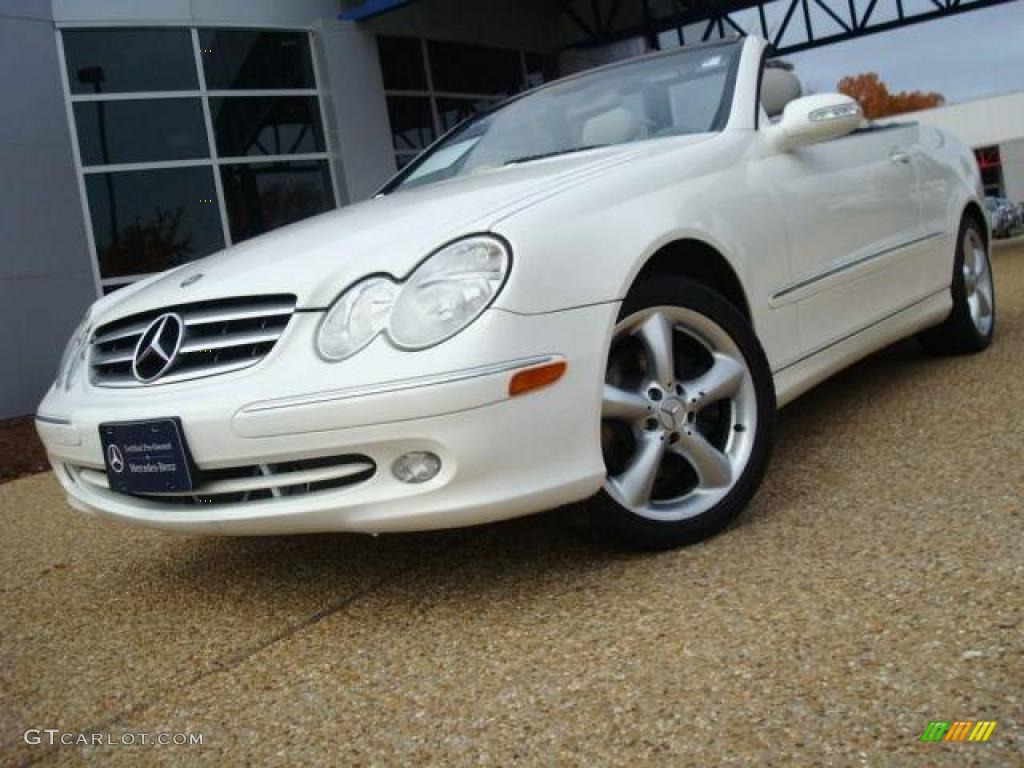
[[501, 457]]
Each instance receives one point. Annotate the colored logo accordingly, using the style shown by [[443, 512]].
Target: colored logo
[[958, 730]]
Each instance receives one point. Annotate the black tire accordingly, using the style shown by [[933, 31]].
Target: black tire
[[629, 528], [959, 334]]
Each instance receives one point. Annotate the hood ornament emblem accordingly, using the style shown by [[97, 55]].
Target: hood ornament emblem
[[158, 348], [191, 280]]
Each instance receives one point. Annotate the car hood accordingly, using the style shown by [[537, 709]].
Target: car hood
[[319, 257]]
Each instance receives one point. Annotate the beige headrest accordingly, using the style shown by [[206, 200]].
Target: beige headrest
[[778, 88], [615, 126]]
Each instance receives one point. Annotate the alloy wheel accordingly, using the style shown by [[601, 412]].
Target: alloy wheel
[[978, 281], [679, 414]]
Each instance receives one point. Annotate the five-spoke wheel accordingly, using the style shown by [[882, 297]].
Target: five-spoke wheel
[[678, 413], [978, 280], [685, 417]]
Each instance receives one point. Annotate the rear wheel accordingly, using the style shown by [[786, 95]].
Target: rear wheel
[[972, 320], [687, 416]]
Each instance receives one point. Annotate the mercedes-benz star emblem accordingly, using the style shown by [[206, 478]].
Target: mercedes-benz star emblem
[[672, 413], [115, 459], [191, 279], [158, 347]]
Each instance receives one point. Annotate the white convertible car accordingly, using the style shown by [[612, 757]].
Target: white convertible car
[[602, 288]]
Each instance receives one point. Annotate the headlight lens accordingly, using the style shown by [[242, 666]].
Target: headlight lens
[[441, 297], [448, 292], [74, 354], [356, 318]]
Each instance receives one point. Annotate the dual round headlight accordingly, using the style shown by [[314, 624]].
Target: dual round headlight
[[441, 297]]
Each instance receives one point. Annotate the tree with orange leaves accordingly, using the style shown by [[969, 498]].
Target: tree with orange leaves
[[876, 101]]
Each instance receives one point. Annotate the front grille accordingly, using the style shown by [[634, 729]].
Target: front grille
[[219, 337], [257, 482]]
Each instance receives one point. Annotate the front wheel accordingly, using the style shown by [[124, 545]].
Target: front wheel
[[687, 416]]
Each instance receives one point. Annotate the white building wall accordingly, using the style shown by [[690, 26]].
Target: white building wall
[[987, 122], [1012, 154], [360, 135], [46, 273]]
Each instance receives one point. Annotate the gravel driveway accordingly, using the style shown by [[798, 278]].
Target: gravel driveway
[[873, 586]]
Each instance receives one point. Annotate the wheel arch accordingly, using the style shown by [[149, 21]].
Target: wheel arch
[[973, 209], [697, 260]]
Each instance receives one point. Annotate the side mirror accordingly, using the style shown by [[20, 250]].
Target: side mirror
[[813, 119]]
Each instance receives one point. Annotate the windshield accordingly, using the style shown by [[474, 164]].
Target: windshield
[[687, 91]]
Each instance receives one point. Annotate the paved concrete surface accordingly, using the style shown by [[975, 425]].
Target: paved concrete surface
[[874, 585]]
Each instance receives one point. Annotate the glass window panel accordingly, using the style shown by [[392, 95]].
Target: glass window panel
[[402, 160], [124, 60], [140, 130], [454, 111], [263, 196], [246, 58], [147, 221], [272, 125], [412, 124], [540, 69], [401, 63], [474, 68]]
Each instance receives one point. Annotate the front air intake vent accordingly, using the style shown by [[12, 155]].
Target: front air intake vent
[[248, 484], [201, 339]]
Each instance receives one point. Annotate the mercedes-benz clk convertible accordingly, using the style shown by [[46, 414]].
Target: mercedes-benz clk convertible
[[602, 289]]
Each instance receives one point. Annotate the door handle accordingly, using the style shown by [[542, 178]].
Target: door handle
[[900, 157]]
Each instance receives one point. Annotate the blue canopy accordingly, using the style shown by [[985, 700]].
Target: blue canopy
[[370, 8]]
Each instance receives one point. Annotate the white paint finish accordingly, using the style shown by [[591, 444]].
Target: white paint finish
[[581, 226], [934, 182], [388, 234], [487, 474], [844, 201], [877, 333]]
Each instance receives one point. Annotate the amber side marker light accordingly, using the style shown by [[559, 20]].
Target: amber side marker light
[[535, 378]]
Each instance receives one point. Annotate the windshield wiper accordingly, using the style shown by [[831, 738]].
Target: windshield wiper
[[542, 155]]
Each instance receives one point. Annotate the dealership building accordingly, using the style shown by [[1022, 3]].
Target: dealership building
[[994, 127], [140, 134]]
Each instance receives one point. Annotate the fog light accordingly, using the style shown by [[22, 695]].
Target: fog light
[[416, 467]]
